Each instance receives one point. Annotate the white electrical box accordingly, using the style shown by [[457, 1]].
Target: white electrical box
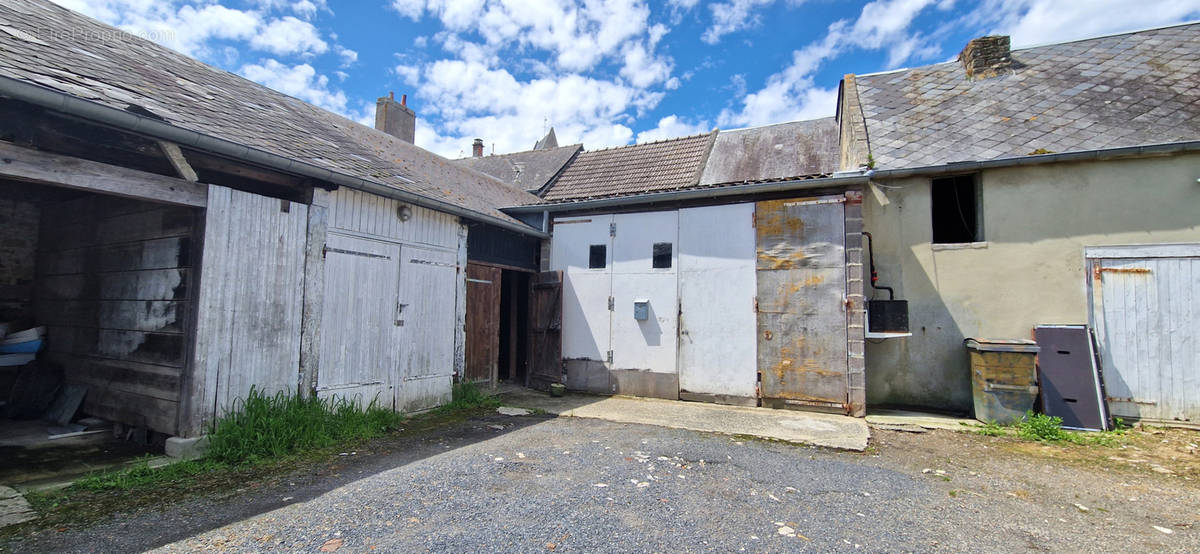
[[641, 309]]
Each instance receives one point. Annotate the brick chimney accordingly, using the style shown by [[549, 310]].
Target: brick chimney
[[394, 118], [986, 57], [477, 148]]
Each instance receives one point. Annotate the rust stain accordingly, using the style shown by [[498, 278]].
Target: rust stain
[[1142, 270], [810, 282]]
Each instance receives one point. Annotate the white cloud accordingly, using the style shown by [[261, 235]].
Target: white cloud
[[348, 56], [1031, 22], [732, 16], [289, 35], [475, 100], [791, 94], [578, 36], [672, 127], [644, 69], [300, 81]]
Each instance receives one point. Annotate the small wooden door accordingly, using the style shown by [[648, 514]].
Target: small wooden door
[[426, 323], [483, 323], [801, 270], [545, 329]]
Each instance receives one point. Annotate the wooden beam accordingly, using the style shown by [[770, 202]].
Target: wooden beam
[[180, 163], [25, 164], [208, 162]]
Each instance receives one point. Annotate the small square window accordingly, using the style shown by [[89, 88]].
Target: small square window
[[662, 255], [955, 203], [597, 256]]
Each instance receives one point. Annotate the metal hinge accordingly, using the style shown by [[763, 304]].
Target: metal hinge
[[755, 304], [610, 356], [612, 229], [753, 220], [612, 303]]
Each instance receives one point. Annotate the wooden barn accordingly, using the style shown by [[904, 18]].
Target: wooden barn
[[184, 234]]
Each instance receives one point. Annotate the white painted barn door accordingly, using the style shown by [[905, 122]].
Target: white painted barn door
[[586, 324], [649, 344], [425, 316], [717, 342], [360, 339], [1146, 313]]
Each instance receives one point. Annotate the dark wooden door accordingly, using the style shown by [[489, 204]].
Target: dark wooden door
[[801, 302], [545, 329], [483, 323]]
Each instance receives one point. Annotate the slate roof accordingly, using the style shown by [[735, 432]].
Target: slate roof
[[652, 167], [777, 151], [528, 171], [68, 52], [1108, 92]]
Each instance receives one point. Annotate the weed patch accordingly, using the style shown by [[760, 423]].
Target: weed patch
[[468, 396], [262, 427]]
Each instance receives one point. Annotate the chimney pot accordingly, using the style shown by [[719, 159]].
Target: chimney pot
[[986, 57], [395, 118], [477, 148], [403, 99]]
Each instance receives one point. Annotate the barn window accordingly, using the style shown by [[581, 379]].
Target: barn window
[[662, 255], [597, 256], [956, 210]]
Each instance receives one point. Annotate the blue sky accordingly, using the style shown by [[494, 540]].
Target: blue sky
[[601, 72]]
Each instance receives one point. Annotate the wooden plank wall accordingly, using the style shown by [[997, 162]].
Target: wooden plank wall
[[113, 290], [250, 302]]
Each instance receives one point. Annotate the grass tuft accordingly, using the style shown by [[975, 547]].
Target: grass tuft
[[468, 396], [262, 427]]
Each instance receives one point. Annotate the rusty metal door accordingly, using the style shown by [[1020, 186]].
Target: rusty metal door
[[801, 273], [483, 323], [545, 329]]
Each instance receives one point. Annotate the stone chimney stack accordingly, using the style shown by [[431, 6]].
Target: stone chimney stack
[[986, 57], [477, 148], [394, 118]]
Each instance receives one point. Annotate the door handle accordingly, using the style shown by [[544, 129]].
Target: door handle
[[399, 319]]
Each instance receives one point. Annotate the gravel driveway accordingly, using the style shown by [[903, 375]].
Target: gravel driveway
[[534, 483]]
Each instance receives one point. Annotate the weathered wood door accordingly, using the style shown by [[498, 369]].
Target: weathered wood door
[[1146, 313], [426, 321], [483, 323], [360, 339], [801, 270], [545, 329]]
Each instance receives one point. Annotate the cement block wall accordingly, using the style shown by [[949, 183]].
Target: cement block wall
[[1030, 269]]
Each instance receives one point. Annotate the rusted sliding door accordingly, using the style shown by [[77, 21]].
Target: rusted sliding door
[[801, 273]]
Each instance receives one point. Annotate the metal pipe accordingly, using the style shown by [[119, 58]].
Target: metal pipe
[[871, 265], [694, 194], [121, 119]]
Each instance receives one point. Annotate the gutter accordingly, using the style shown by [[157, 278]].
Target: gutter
[[1038, 159], [846, 178], [121, 119]]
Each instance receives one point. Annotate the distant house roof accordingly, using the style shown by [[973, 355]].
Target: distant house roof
[[652, 167], [777, 151], [1124, 90], [95, 62], [527, 171]]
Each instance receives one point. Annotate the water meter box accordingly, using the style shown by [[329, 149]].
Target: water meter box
[[887, 316], [641, 309]]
